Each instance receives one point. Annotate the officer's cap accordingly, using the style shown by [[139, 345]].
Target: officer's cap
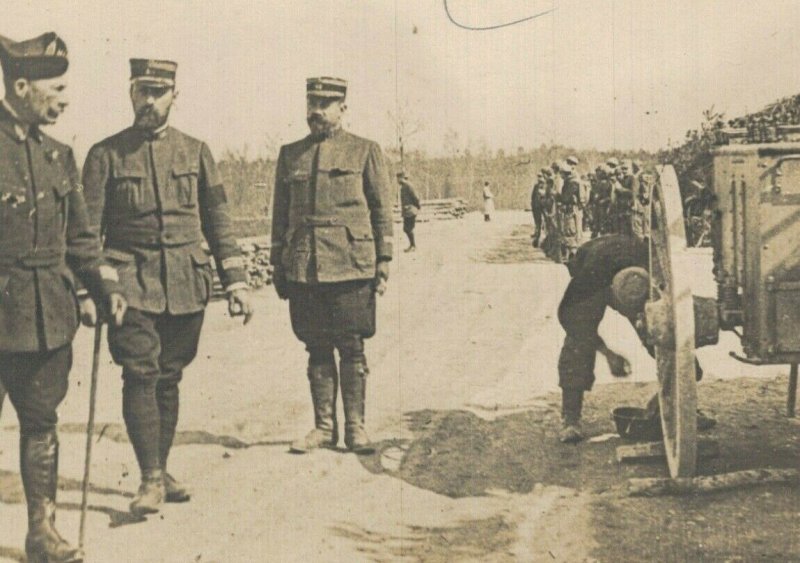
[[612, 162], [154, 71], [572, 160], [326, 87], [35, 59]]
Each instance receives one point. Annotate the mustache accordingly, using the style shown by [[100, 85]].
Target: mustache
[[144, 111]]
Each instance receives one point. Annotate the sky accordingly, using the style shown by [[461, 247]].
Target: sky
[[605, 74]]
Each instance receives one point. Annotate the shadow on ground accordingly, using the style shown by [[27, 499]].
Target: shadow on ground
[[466, 541], [458, 454], [516, 248], [12, 554]]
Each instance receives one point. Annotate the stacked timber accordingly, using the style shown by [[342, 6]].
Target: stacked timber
[[436, 210]]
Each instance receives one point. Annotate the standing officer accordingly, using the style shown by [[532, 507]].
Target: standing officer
[[537, 205], [155, 193], [409, 206], [45, 237], [331, 247], [569, 212]]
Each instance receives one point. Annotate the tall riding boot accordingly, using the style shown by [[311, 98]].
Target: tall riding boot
[[168, 398], [324, 383], [142, 420], [571, 406], [354, 385], [39, 468]]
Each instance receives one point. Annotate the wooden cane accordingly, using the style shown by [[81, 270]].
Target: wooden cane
[[98, 336]]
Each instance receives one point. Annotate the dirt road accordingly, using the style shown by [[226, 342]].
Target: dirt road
[[462, 404]]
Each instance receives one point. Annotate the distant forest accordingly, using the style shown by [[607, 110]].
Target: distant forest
[[249, 181]]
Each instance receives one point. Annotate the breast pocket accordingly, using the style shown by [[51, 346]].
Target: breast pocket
[[184, 180], [297, 186], [346, 186], [131, 192]]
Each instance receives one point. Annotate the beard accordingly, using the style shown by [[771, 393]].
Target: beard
[[150, 118], [320, 126]]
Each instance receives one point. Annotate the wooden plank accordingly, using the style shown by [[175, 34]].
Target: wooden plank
[[654, 451], [711, 483]]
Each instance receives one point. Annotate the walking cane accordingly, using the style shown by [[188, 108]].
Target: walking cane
[[98, 335]]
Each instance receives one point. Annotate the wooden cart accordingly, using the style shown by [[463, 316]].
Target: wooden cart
[[756, 250]]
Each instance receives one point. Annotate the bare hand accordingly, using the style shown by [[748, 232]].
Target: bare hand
[[88, 311], [239, 304], [117, 305], [381, 277]]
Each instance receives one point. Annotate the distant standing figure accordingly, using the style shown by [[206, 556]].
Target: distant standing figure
[[409, 205], [537, 205], [488, 202]]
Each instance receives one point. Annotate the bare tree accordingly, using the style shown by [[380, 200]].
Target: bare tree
[[406, 124]]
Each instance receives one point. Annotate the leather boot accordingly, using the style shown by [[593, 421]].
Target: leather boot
[[151, 493], [571, 406], [354, 385], [168, 399], [324, 384], [174, 490], [39, 469]]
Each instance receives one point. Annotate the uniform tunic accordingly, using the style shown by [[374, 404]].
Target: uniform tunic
[[45, 237], [331, 223], [155, 199]]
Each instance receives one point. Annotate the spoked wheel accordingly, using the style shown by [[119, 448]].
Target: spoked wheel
[[670, 326]]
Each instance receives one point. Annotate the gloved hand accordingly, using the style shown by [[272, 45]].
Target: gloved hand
[[280, 283]]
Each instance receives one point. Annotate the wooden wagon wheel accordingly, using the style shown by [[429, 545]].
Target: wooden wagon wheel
[[670, 326]]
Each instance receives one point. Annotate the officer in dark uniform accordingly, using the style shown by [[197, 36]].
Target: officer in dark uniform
[[155, 193], [537, 205], [569, 203], [409, 207], [331, 247], [45, 238]]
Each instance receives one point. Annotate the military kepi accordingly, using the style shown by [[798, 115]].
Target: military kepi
[[35, 59], [154, 71], [326, 87]]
